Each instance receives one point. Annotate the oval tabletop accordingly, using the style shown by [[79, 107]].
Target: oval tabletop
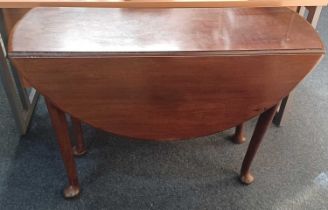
[[164, 74]]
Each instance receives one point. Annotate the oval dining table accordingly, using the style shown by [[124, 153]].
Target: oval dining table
[[163, 74]]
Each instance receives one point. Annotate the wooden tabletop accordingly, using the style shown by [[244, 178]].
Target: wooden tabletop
[[58, 31], [158, 3], [164, 74]]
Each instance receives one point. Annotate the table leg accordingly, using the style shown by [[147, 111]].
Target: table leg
[[263, 123], [238, 137], [313, 18], [314, 15], [79, 149], [60, 125], [284, 106]]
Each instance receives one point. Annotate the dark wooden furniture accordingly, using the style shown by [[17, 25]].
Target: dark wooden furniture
[[239, 137], [163, 74]]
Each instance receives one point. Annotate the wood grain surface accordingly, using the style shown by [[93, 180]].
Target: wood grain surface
[[203, 75], [166, 97], [63, 31]]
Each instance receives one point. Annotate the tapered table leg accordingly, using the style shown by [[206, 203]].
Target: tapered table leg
[[263, 123], [79, 149], [60, 125], [238, 137]]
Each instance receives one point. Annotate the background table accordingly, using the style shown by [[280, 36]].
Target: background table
[[158, 3]]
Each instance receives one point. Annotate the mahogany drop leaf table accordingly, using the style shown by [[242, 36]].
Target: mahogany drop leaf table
[[164, 74]]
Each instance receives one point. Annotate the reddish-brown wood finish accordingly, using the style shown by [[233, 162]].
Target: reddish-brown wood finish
[[166, 98], [238, 137], [79, 149], [164, 74], [262, 125], [61, 31], [60, 125], [190, 68]]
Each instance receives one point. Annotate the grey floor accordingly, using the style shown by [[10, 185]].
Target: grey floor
[[291, 167]]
